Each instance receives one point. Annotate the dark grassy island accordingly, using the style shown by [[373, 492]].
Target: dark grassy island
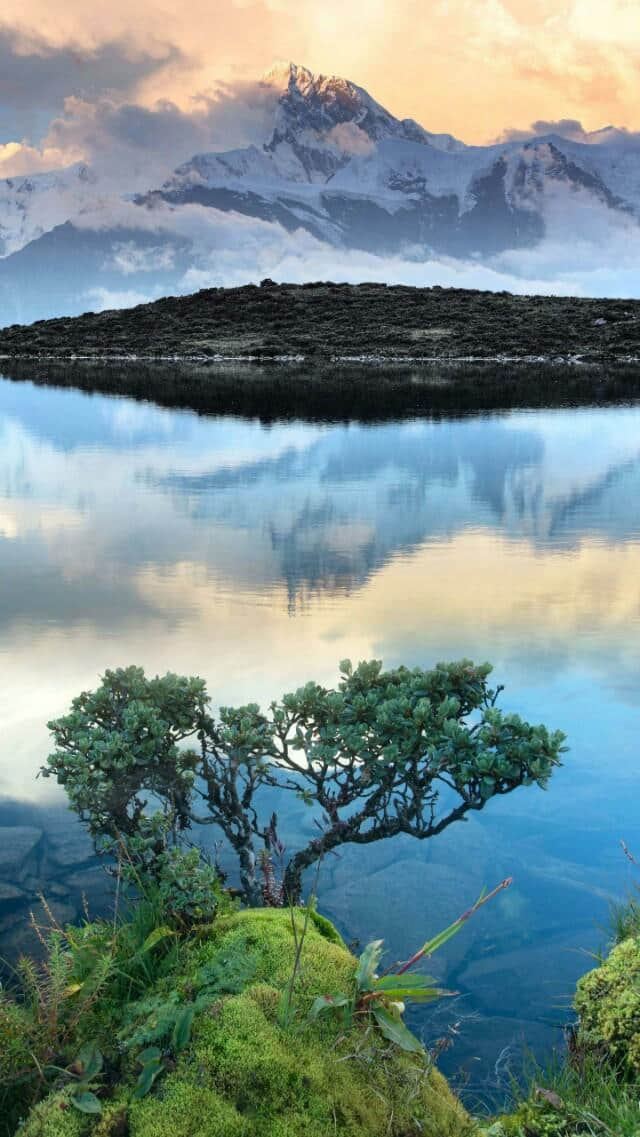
[[326, 321]]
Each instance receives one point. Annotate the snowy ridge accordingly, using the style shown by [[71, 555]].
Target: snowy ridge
[[33, 204], [340, 165], [335, 171]]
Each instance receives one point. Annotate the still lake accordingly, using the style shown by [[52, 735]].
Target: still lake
[[258, 556]]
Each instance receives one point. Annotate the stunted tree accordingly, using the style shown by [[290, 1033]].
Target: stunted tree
[[403, 751], [386, 752], [138, 757], [120, 747]]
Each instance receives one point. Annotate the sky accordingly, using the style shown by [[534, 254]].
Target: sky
[[77, 80]]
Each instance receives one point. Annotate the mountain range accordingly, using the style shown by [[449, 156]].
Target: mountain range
[[335, 172]]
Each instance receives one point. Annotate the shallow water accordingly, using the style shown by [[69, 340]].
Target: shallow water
[[259, 556]]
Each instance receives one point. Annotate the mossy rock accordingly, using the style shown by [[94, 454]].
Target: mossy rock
[[608, 1003], [244, 1075], [608, 1038]]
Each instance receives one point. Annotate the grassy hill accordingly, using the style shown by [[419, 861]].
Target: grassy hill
[[324, 321]]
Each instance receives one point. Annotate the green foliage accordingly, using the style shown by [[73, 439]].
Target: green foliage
[[386, 752], [138, 950], [169, 1010], [152, 1065], [40, 1030], [16, 1064], [182, 1028], [188, 887], [71, 1007], [587, 1099], [243, 1073], [85, 1101], [229, 1069], [121, 743], [625, 920], [383, 997], [86, 1071]]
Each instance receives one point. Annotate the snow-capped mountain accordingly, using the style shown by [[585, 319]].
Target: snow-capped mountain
[[33, 204], [334, 167], [339, 165], [320, 124]]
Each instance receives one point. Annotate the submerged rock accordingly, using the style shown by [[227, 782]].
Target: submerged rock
[[19, 846]]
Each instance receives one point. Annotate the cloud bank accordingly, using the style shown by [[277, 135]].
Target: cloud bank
[[573, 130], [511, 58], [587, 252]]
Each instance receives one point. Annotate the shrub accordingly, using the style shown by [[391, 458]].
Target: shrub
[[385, 753]]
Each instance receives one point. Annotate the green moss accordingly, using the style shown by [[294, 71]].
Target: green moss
[[327, 929], [55, 1117], [244, 1075], [266, 935], [596, 1091], [185, 1110], [14, 1030], [608, 1003], [15, 1057]]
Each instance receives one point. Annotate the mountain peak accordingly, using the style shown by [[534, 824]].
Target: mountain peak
[[283, 72]]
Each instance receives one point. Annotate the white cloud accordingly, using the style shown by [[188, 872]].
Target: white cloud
[[350, 138], [18, 158], [103, 299], [588, 252], [129, 258], [135, 147]]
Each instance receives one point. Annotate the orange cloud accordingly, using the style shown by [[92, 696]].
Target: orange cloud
[[471, 67]]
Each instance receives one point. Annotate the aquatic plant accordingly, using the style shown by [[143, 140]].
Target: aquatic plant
[[386, 752]]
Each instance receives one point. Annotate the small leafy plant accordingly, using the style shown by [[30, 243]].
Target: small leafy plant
[[152, 1065], [167, 1015], [86, 1071], [384, 996]]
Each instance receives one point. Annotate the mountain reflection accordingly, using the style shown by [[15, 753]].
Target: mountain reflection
[[258, 556], [94, 490], [134, 533], [352, 499]]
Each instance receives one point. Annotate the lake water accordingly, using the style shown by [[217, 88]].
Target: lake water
[[259, 556]]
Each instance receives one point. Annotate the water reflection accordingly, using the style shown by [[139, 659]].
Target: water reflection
[[258, 556]]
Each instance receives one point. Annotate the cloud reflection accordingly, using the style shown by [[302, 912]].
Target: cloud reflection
[[258, 556]]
